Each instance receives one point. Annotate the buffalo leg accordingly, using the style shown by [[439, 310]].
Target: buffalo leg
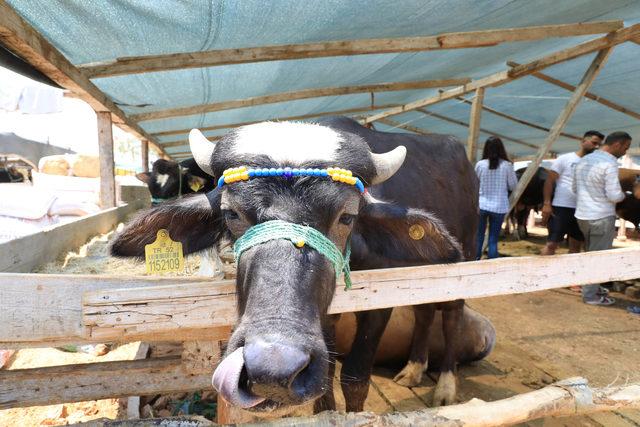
[[445, 392], [411, 374], [357, 366], [328, 402]]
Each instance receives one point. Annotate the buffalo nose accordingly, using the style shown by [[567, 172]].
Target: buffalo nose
[[276, 370]]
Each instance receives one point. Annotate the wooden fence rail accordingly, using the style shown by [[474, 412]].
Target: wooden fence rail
[[43, 310]]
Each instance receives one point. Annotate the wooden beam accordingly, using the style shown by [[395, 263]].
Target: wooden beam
[[297, 95], [474, 125], [590, 95], [405, 126], [518, 120], [570, 397], [298, 117], [144, 154], [36, 310], [154, 63], [107, 167], [465, 124], [24, 41], [182, 142], [26, 253], [506, 76], [102, 380], [562, 119]]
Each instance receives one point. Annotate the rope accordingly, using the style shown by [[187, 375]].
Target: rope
[[299, 235]]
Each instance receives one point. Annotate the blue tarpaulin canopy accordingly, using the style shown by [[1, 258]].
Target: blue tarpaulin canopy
[[90, 31]]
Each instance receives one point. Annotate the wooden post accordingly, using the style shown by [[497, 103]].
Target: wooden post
[[622, 230], [563, 118], [144, 152], [105, 150], [474, 125]]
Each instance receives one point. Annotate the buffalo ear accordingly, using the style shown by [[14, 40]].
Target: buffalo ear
[[144, 177], [387, 235], [193, 220]]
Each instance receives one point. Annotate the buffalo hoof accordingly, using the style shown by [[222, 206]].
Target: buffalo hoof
[[445, 393], [411, 375]]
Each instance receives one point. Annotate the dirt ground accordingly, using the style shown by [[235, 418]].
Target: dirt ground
[[542, 337]]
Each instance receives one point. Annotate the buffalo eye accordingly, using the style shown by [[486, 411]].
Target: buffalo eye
[[346, 219], [230, 215]]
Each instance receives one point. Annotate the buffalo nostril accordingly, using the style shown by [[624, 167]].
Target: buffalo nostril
[[273, 367]]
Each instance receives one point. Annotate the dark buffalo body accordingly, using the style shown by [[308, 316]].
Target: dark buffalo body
[[629, 208], [532, 198], [422, 211]]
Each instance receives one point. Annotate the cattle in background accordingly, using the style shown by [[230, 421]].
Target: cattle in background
[[10, 174], [531, 199], [168, 179], [629, 208], [281, 353]]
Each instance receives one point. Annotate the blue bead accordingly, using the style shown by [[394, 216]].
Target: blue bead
[[251, 173], [279, 171], [221, 181], [359, 185], [295, 172], [323, 172], [272, 172]]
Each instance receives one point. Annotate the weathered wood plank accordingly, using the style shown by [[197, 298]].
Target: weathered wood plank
[[474, 125], [125, 314], [562, 119], [297, 95], [36, 309], [107, 167], [404, 126], [590, 95], [28, 252], [91, 381], [297, 117], [153, 63], [506, 76], [23, 40], [144, 155]]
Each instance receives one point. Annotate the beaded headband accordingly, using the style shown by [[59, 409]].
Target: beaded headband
[[243, 174]]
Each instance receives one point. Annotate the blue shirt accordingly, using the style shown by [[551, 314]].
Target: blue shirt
[[495, 185]]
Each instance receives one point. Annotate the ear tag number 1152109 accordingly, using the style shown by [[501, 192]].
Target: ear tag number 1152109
[[164, 255]]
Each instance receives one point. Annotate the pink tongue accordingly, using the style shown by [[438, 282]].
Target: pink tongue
[[225, 380]]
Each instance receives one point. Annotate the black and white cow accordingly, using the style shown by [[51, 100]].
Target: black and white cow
[[168, 179], [418, 210]]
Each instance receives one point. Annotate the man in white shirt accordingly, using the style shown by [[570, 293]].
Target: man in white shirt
[[559, 214], [597, 188]]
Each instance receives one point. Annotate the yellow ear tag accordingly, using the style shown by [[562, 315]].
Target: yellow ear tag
[[416, 232], [195, 186], [164, 255]]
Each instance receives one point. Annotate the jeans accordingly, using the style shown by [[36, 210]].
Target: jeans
[[495, 224], [598, 235]]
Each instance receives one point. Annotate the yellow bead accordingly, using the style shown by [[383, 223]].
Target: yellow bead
[[244, 176], [335, 177], [227, 179], [300, 243]]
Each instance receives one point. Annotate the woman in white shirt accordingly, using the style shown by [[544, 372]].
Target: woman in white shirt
[[497, 179]]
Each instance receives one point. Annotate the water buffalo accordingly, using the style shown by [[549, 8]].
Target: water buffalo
[[168, 179], [310, 178], [531, 199], [629, 208]]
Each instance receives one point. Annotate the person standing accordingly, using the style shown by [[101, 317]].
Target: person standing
[[497, 178], [559, 213], [597, 188]]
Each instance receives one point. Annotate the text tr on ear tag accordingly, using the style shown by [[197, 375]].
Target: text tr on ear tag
[[164, 255], [195, 186]]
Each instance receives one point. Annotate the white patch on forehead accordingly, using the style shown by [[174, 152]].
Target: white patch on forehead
[[290, 142], [162, 179]]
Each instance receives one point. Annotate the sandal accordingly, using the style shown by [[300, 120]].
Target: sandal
[[633, 309]]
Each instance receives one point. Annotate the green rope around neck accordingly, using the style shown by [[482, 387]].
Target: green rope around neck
[[299, 235]]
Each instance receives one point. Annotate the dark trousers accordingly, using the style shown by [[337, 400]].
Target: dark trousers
[[495, 224]]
